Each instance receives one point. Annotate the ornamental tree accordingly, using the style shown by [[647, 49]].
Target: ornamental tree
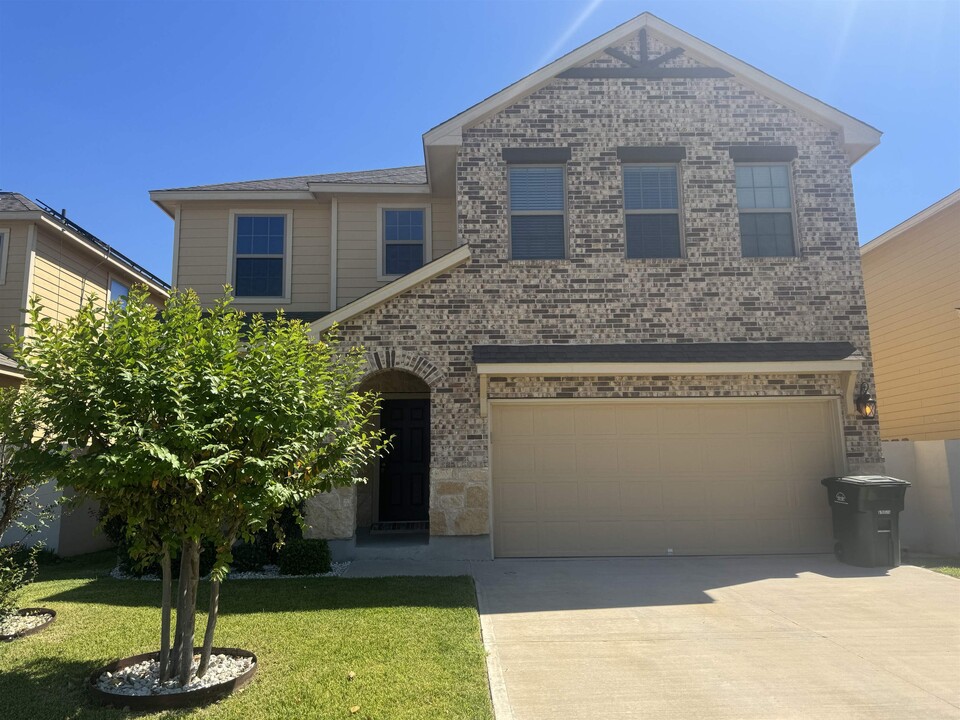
[[21, 463], [195, 426]]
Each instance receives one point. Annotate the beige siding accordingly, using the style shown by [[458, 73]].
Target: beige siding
[[357, 239], [205, 235], [66, 274], [912, 287], [11, 285]]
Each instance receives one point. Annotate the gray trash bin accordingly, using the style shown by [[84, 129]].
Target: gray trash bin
[[866, 518]]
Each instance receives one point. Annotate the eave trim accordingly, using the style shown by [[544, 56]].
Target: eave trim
[[391, 290]]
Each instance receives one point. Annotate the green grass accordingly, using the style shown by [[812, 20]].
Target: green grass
[[940, 563], [413, 643]]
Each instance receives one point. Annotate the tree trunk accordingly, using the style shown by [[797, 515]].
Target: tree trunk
[[192, 549], [165, 616], [182, 594], [211, 626]]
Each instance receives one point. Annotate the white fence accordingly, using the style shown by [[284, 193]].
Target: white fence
[[931, 519]]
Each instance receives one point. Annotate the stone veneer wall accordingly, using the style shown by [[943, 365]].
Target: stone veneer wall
[[596, 295]]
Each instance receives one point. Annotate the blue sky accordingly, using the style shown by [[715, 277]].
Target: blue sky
[[101, 102]]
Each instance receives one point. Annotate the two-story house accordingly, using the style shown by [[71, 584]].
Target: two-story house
[[43, 254], [618, 311]]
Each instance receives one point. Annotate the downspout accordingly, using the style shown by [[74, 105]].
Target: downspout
[[333, 253]]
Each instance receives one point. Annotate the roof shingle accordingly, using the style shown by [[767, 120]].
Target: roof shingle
[[15, 202], [410, 175]]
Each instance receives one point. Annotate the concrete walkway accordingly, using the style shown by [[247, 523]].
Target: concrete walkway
[[732, 637]]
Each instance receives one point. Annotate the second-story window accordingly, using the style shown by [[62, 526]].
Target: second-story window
[[259, 256], [766, 210], [118, 291], [404, 240], [651, 201], [537, 212]]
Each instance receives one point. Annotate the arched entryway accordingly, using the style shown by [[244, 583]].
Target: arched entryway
[[396, 497]]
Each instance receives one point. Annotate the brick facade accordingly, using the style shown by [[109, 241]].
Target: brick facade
[[596, 295]]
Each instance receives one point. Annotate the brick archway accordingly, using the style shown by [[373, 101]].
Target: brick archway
[[388, 359]]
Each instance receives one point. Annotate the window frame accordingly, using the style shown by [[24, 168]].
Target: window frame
[[283, 299], [788, 164], [382, 208], [659, 211], [111, 279], [5, 234], [564, 213]]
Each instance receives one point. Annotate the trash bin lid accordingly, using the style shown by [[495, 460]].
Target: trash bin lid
[[867, 480]]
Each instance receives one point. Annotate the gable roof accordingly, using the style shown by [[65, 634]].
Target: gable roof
[[409, 175], [15, 202], [859, 137], [15, 206], [910, 222]]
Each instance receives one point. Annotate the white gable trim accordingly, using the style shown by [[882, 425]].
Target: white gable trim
[[379, 296], [859, 138], [893, 232]]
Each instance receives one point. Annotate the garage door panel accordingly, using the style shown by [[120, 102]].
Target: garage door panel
[[516, 499], [559, 500], [555, 421], [639, 457], [766, 418], [600, 499], [561, 538], [685, 497], [597, 459], [630, 422], [681, 455], [641, 499], [649, 483], [514, 421], [556, 460], [732, 498], [730, 419], [514, 459], [680, 419], [814, 453], [772, 497], [518, 539], [595, 420]]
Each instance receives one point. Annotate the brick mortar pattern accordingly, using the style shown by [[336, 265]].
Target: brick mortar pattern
[[598, 296]]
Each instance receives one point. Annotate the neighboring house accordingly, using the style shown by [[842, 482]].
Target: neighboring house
[[619, 311], [911, 275], [44, 254]]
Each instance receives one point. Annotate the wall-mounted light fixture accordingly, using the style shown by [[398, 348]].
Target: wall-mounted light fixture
[[866, 403]]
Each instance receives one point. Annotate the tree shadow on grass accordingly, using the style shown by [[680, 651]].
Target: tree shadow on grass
[[50, 687], [293, 595]]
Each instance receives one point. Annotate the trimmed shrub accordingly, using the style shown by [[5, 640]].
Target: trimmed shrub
[[250, 557], [305, 557]]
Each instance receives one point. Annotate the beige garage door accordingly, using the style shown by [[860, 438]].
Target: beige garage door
[[646, 478]]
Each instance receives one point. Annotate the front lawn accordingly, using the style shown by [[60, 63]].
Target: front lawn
[[413, 644], [948, 565]]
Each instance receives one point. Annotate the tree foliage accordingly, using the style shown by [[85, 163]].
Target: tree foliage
[[21, 474], [195, 425]]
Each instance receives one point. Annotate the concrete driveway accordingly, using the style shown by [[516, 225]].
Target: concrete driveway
[[733, 637]]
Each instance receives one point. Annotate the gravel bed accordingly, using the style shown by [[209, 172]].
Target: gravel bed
[[13, 624], [144, 677], [269, 572]]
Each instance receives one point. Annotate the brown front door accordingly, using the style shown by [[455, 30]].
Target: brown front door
[[405, 468]]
